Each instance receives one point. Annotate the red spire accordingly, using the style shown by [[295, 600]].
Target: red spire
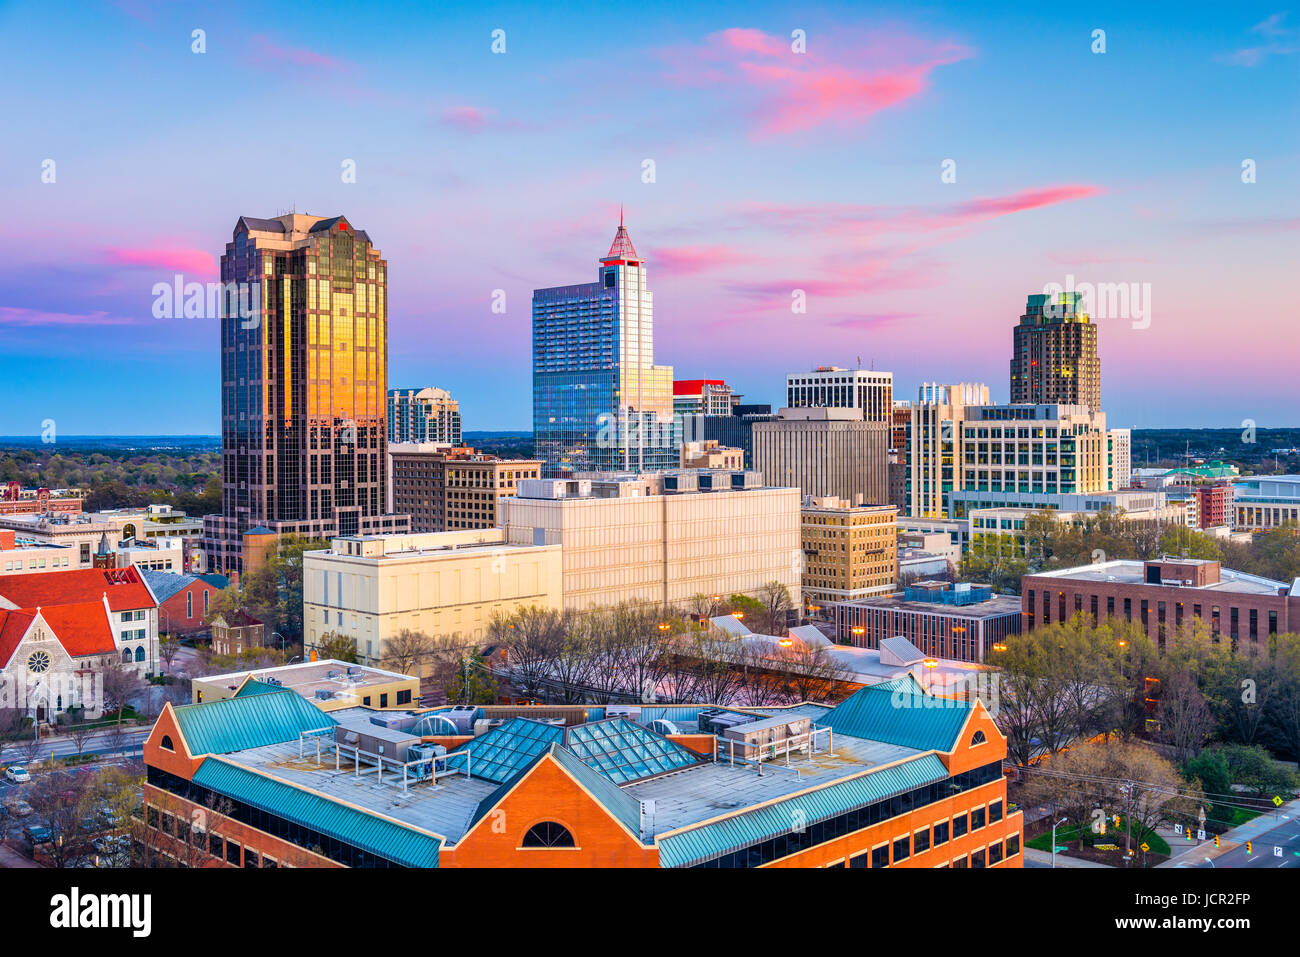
[[621, 247]]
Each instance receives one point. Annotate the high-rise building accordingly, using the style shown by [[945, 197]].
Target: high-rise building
[[451, 489], [737, 429], [830, 387], [828, 451], [933, 445], [849, 552], [423, 415], [1054, 358], [703, 397], [304, 378], [599, 401]]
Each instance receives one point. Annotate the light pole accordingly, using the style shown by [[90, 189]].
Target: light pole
[[276, 634], [1055, 824]]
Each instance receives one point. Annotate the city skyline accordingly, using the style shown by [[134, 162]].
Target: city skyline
[[774, 172]]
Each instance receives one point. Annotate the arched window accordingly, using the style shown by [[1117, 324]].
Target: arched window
[[548, 834], [978, 738], [166, 743], [126, 656], [139, 653]]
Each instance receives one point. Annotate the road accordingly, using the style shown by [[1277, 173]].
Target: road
[[1268, 834], [100, 742]]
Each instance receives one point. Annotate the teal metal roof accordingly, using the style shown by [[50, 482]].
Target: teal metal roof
[[253, 686], [380, 836], [730, 834], [624, 752], [248, 721], [900, 712], [503, 752]]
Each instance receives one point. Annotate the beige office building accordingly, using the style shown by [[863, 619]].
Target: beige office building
[[825, 452], [371, 588], [449, 489], [661, 537], [849, 552]]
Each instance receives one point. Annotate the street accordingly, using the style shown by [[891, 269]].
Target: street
[[1266, 834]]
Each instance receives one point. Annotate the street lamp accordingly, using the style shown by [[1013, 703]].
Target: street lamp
[[930, 665], [276, 634], [1055, 824]]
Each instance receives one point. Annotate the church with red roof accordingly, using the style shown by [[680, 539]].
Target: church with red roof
[[60, 630]]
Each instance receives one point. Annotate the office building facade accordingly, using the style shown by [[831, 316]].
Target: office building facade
[[599, 401], [452, 489], [825, 451], [849, 552], [304, 383], [1054, 357], [423, 415], [830, 387]]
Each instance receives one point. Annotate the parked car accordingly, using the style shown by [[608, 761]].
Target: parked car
[[37, 834], [20, 808], [17, 775]]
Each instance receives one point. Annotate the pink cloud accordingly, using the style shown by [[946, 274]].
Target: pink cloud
[[178, 259], [269, 55], [689, 260], [828, 84], [15, 316], [468, 118]]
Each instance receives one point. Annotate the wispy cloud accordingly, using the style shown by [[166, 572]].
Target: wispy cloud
[[179, 259], [690, 260], [266, 54], [830, 84], [1279, 40], [16, 316]]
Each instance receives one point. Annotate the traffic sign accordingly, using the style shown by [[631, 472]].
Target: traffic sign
[[1145, 847], [1200, 835], [1277, 801], [1178, 829]]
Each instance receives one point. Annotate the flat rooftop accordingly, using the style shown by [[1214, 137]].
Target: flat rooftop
[[997, 605], [309, 676], [1131, 572]]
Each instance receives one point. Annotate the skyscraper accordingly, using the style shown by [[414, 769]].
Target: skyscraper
[[599, 401], [830, 387], [423, 415], [304, 377], [1054, 358]]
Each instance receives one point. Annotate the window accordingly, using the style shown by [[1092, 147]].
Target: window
[[860, 860], [959, 826], [126, 656], [836, 864], [404, 697], [995, 853], [548, 834], [139, 653], [977, 738], [1013, 845], [166, 743], [250, 857], [941, 833], [959, 861], [977, 818], [977, 858], [214, 844], [880, 856], [383, 700], [189, 604], [902, 848], [232, 853], [921, 840]]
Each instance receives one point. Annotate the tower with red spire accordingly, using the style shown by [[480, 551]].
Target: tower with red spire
[[599, 401]]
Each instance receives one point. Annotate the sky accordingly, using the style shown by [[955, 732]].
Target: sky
[[910, 172]]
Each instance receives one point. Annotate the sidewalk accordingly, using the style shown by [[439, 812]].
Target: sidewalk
[[11, 858], [1045, 858]]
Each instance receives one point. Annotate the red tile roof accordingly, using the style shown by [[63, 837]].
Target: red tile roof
[[124, 586], [13, 625]]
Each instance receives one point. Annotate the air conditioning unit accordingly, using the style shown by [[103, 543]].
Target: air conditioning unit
[[630, 711], [324, 694]]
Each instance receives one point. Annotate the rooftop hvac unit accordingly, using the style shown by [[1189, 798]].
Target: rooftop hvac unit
[[324, 694], [719, 722], [331, 675], [273, 681], [462, 716], [353, 671], [394, 722], [664, 726], [630, 711], [435, 724]]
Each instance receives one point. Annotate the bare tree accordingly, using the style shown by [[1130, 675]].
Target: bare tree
[[776, 606], [168, 648], [65, 802], [1185, 717], [533, 640], [30, 749], [80, 732], [407, 651], [119, 686]]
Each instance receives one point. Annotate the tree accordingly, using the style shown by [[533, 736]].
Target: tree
[[168, 648], [1253, 768], [1208, 771], [776, 606], [118, 686], [80, 732], [1185, 718], [65, 802], [407, 651], [1285, 705], [336, 647], [996, 560], [222, 603], [472, 683]]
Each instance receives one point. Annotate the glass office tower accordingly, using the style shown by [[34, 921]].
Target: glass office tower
[[599, 401]]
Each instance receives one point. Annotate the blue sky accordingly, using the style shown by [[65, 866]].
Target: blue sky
[[774, 171]]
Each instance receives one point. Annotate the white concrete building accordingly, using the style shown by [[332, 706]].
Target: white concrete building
[[662, 537], [371, 588]]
